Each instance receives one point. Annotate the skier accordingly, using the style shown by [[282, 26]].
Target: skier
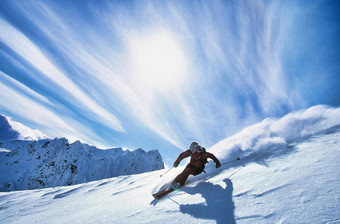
[[196, 166]]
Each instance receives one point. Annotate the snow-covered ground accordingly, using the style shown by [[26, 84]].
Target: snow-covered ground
[[288, 173]]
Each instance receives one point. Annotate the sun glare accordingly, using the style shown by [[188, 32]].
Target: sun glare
[[158, 61]]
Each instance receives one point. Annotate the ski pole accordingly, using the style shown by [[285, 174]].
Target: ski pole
[[230, 161], [166, 172]]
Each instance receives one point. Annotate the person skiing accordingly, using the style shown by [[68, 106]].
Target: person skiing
[[199, 158]]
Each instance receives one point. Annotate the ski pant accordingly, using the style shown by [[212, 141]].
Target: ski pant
[[182, 177]]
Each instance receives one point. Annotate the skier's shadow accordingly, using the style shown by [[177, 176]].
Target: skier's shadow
[[219, 203]]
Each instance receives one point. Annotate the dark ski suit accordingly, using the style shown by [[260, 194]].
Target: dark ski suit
[[196, 165]]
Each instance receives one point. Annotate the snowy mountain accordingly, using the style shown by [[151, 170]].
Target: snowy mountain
[[288, 173], [50, 163], [6, 130], [12, 130]]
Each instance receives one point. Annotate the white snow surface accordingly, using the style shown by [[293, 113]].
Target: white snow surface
[[288, 173]]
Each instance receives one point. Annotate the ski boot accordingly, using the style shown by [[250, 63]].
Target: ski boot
[[175, 185]]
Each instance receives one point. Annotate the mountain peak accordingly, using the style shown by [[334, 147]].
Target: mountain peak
[[55, 162], [6, 131]]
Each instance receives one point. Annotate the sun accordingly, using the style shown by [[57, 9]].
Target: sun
[[158, 61]]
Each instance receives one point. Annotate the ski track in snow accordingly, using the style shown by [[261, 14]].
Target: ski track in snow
[[271, 190], [67, 193]]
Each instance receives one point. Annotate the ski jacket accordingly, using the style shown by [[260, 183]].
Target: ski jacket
[[198, 160]]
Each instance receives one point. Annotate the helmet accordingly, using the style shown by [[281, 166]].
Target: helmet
[[194, 146]]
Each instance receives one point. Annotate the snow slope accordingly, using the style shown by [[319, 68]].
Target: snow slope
[[288, 173]]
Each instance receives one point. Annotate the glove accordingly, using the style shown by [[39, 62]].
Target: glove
[[218, 165], [175, 164]]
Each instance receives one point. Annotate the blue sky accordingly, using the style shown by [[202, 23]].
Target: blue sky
[[160, 74]]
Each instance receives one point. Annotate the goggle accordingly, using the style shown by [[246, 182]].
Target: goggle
[[199, 149]]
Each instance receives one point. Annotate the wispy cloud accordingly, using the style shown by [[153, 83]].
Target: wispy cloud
[[230, 73], [25, 132], [31, 107], [17, 41]]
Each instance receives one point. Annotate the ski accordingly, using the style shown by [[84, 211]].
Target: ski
[[162, 193]]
